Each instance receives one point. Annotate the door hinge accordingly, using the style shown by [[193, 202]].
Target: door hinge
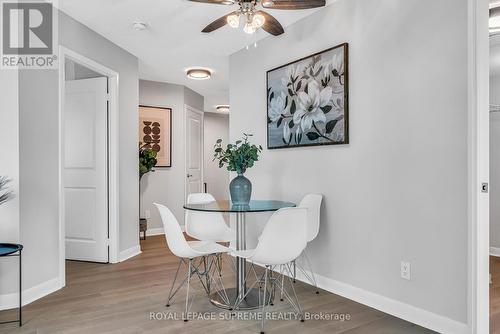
[[108, 97], [107, 242]]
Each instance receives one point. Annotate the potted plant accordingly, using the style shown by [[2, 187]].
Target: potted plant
[[238, 157], [147, 159], [5, 193]]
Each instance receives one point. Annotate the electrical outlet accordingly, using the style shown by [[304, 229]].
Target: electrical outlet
[[405, 270], [148, 214]]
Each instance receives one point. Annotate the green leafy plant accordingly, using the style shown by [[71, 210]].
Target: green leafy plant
[[237, 157], [5, 193], [147, 159]]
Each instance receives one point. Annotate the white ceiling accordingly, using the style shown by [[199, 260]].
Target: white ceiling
[[174, 40]]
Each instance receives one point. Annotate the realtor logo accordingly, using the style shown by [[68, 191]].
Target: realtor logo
[[29, 34]]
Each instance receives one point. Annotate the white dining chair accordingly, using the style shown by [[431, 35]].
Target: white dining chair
[[206, 226], [206, 251], [283, 239], [311, 202]]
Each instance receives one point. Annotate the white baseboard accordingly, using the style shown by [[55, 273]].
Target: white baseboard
[[11, 300], [128, 253], [495, 251], [155, 231], [393, 307]]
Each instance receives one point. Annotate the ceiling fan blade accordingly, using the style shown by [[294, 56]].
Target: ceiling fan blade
[[292, 4], [219, 23], [217, 2], [271, 25], [494, 11]]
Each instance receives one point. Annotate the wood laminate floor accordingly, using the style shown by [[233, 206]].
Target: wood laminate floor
[[495, 295], [118, 298]]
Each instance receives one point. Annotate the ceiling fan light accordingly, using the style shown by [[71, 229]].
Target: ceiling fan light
[[249, 28], [258, 21], [233, 20]]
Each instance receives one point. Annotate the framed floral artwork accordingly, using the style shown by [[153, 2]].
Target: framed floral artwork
[[307, 101], [155, 132]]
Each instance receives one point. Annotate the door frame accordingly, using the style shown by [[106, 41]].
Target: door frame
[[202, 176], [478, 165], [113, 151]]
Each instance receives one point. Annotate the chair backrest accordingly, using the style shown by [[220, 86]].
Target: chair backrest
[[312, 202], [283, 238], [173, 233], [206, 226]]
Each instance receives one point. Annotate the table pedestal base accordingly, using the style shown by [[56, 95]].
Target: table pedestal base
[[251, 301]]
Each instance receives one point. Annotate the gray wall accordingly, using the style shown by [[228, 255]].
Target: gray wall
[[216, 126], [398, 191], [495, 164], [166, 185], [38, 96], [75, 71], [86, 42], [9, 166]]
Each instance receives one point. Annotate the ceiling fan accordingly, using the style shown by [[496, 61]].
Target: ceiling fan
[[255, 18]]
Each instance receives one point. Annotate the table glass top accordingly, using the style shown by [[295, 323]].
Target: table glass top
[[7, 249], [227, 206]]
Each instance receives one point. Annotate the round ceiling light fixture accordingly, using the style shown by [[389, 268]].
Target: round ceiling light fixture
[[199, 73], [222, 108]]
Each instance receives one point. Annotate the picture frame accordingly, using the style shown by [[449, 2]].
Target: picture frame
[[155, 125], [308, 100]]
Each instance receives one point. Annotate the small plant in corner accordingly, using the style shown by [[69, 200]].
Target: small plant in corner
[[5, 193], [147, 159], [238, 157]]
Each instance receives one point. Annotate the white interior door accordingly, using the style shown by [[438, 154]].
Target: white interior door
[[85, 169], [194, 151]]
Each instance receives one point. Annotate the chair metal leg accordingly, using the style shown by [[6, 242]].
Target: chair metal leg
[[282, 274], [187, 290], [170, 295], [297, 303], [218, 284], [263, 316], [311, 271]]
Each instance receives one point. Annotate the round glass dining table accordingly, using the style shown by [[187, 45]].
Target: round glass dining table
[[247, 299]]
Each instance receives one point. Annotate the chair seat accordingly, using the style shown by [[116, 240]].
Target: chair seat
[[229, 236], [207, 247], [245, 254]]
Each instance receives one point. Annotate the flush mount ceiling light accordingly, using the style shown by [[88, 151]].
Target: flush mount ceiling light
[[139, 26], [254, 18], [199, 73], [222, 108]]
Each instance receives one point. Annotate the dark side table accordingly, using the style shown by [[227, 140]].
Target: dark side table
[[8, 250], [143, 227]]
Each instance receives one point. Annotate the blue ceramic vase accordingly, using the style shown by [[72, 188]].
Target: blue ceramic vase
[[241, 190]]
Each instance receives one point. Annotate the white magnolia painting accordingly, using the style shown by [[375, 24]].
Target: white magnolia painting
[[307, 101]]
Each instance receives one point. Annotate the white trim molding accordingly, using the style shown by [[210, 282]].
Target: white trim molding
[[495, 251], [393, 307], [113, 155], [155, 231], [478, 165], [128, 253], [11, 300]]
